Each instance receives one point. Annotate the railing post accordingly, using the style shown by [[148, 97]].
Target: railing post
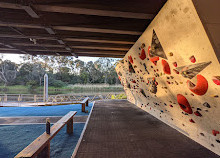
[[69, 126], [5, 98], [87, 103], [83, 107], [45, 153], [35, 98]]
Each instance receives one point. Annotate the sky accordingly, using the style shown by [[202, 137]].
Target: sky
[[16, 58]]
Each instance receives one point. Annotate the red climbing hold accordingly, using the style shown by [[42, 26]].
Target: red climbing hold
[[152, 59], [130, 59], [177, 72], [175, 64], [192, 59], [216, 80], [191, 120], [197, 114], [133, 81], [119, 78], [214, 132], [142, 56], [184, 104], [201, 87], [166, 67]]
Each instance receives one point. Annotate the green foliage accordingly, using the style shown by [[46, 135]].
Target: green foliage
[[119, 96], [58, 83], [32, 84], [61, 70]]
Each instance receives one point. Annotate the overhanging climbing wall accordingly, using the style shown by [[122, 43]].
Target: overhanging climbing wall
[[173, 73]]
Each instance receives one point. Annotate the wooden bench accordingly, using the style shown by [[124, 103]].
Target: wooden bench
[[85, 103], [40, 147]]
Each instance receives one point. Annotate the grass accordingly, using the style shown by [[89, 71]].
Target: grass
[[77, 88]]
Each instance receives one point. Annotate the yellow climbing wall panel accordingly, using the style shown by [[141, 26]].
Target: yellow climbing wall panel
[[172, 72]]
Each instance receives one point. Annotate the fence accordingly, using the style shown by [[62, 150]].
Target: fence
[[25, 99]]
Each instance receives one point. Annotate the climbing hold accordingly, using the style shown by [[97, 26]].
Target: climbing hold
[[218, 141], [131, 69], [198, 114], [192, 59], [177, 72], [201, 87], [171, 105], [133, 81], [152, 59], [175, 64], [214, 132], [130, 59], [215, 96], [170, 54], [216, 80], [119, 78], [166, 67], [142, 56], [191, 71], [184, 104], [156, 47], [206, 105], [142, 92], [191, 120], [202, 134]]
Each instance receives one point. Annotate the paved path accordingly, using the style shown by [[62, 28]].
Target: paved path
[[118, 129]]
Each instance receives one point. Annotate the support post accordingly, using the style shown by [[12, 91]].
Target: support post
[[45, 87], [45, 153], [83, 107], [87, 103], [69, 126]]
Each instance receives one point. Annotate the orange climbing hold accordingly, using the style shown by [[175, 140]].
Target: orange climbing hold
[[201, 87], [166, 67], [142, 56], [184, 104], [130, 59], [152, 59]]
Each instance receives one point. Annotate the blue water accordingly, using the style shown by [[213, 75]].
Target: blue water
[[13, 139], [59, 110]]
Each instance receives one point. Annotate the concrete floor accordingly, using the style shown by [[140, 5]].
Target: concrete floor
[[119, 129]]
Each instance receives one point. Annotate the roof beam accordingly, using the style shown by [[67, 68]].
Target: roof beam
[[71, 28], [39, 45], [101, 48], [97, 41], [68, 39], [30, 11], [97, 30], [82, 11]]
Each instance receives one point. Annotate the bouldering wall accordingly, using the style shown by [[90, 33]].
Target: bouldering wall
[[172, 72]]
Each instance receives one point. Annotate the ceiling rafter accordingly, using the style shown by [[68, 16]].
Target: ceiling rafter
[[73, 10]]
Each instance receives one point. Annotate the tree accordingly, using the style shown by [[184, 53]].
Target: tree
[[8, 71]]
